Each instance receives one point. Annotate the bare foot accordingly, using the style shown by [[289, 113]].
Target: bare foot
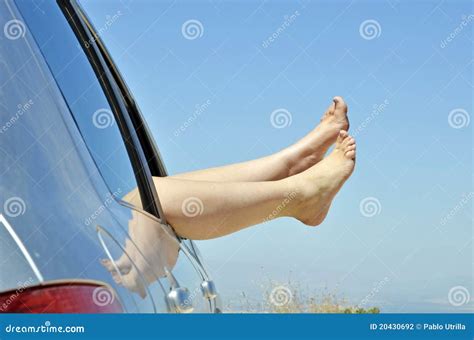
[[151, 248], [320, 183], [312, 148]]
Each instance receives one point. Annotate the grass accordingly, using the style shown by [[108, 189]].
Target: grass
[[291, 298]]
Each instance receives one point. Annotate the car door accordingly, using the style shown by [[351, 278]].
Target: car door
[[52, 195], [202, 292], [143, 253]]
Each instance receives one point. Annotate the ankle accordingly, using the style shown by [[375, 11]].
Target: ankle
[[287, 160], [294, 195]]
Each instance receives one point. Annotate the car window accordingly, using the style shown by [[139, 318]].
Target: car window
[[84, 96], [132, 46]]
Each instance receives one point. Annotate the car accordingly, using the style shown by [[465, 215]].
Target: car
[[81, 226]]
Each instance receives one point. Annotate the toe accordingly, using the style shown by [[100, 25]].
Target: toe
[[350, 140], [330, 109], [350, 154], [351, 147], [124, 264], [107, 264], [329, 112], [340, 105], [134, 282], [342, 135]]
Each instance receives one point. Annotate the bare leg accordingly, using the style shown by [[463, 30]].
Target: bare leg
[[290, 161], [205, 209]]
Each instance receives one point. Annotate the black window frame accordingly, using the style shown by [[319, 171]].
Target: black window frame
[[142, 150]]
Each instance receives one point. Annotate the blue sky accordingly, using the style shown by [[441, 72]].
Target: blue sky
[[414, 152]]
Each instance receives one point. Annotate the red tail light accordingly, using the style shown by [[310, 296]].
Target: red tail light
[[61, 298]]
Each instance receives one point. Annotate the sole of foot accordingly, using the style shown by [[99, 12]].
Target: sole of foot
[[311, 149], [320, 183]]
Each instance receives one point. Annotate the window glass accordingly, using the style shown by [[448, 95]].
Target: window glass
[[85, 97]]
